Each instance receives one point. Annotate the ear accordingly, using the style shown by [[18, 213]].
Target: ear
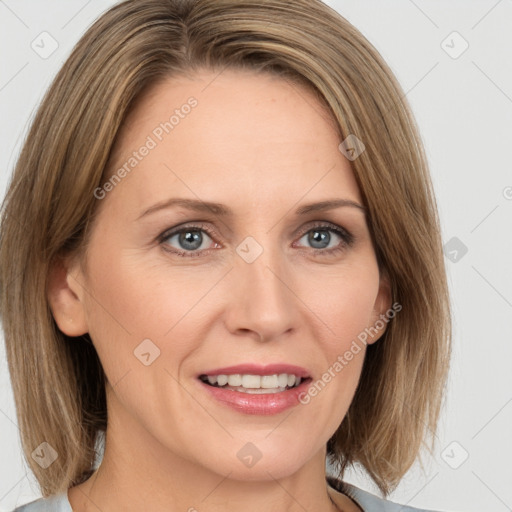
[[65, 297], [379, 319]]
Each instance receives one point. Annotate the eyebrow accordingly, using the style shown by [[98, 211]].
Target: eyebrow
[[224, 211]]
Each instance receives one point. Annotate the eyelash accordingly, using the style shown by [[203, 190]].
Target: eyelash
[[346, 237]]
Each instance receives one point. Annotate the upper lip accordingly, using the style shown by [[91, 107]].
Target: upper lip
[[257, 369]]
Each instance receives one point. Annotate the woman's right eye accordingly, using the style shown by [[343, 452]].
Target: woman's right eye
[[186, 241]]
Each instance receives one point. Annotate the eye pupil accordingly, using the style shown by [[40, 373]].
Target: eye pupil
[[189, 239], [323, 237]]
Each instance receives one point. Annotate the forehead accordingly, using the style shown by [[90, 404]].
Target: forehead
[[234, 136]]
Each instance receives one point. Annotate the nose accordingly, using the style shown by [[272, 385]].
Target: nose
[[262, 302]]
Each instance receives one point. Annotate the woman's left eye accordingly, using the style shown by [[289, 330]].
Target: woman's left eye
[[193, 240], [321, 240]]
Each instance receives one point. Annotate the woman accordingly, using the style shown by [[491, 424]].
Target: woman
[[220, 249]]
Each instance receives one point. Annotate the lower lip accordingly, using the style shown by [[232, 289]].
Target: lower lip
[[263, 404]]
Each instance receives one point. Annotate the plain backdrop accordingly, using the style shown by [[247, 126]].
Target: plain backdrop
[[453, 59]]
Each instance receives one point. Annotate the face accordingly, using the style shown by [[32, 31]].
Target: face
[[254, 292]]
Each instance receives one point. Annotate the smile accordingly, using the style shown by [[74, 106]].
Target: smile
[[254, 384], [255, 388]]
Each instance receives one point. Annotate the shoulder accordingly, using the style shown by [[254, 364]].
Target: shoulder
[[369, 502], [56, 503]]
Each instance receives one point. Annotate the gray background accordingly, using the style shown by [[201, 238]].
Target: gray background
[[463, 105]]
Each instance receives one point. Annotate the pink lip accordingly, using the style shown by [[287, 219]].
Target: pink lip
[[259, 404]]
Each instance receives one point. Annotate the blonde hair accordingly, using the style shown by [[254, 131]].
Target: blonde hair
[[58, 381]]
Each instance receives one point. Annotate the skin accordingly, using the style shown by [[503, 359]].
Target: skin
[[262, 147]]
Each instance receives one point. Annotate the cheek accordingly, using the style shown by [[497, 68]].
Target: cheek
[[344, 302], [137, 298], [131, 300], [345, 309], [344, 306]]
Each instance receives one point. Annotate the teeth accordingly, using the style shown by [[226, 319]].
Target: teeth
[[222, 380], [250, 381], [258, 391], [271, 381], [235, 380], [255, 382]]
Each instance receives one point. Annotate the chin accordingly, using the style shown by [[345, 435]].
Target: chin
[[262, 472], [263, 460]]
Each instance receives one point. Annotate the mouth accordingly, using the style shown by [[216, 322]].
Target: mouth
[[256, 389], [254, 384]]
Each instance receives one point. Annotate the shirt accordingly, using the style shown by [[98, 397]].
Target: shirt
[[365, 500]]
